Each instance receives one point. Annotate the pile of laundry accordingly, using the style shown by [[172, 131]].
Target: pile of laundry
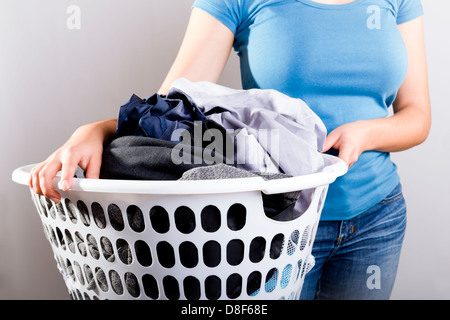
[[202, 130]]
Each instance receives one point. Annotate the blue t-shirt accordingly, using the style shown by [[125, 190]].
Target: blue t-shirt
[[346, 62]]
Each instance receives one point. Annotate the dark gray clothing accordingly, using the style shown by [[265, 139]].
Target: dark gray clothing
[[142, 158]]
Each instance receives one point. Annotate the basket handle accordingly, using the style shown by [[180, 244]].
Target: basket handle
[[334, 167]]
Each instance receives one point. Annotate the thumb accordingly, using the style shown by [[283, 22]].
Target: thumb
[[330, 141], [344, 154]]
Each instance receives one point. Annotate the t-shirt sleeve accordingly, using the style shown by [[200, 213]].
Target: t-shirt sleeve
[[226, 11], [408, 10]]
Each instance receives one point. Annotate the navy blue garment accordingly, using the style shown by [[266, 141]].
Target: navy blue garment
[[157, 116]]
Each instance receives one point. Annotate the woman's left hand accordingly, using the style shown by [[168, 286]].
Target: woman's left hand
[[350, 139]]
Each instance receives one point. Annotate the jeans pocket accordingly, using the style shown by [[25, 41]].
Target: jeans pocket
[[395, 195]]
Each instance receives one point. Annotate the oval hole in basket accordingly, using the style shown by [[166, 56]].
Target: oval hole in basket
[[298, 268], [143, 253], [210, 218], [292, 243], [41, 203], [132, 284], [58, 207], [191, 287], [78, 272], [135, 218], [184, 219], [305, 237], [254, 283], [84, 213], [89, 277], [115, 217], [124, 251], [116, 282], [159, 219], [271, 280], [93, 246], [236, 217], [257, 249], [276, 246], [171, 288], [213, 287], [211, 253], [69, 269], [71, 210], [107, 249], [98, 215], [52, 236], [101, 279], [80, 244], [235, 252], [52, 210], [165, 253], [188, 254], [286, 276], [234, 286], [150, 286], [62, 242], [69, 241]]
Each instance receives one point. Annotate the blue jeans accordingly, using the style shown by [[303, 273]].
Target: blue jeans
[[358, 258]]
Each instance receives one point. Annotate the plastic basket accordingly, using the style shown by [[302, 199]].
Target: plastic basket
[[103, 255]]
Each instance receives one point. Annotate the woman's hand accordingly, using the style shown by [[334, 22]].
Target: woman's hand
[[350, 139], [84, 149]]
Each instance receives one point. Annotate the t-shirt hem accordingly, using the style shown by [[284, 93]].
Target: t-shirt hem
[[350, 214]]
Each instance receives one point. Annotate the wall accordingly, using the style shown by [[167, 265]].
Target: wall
[[53, 79]]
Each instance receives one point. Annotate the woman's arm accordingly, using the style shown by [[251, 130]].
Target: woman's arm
[[411, 121], [84, 148], [204, 51], [202, 56]]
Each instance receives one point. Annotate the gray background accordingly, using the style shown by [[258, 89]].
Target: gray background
[[53, 79]]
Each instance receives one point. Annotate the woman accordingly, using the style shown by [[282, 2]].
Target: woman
[[349, 60]]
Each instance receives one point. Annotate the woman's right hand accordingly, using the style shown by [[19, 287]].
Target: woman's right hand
[[84, 149]]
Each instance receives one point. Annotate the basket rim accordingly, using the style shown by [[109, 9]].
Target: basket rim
[[334, 167]]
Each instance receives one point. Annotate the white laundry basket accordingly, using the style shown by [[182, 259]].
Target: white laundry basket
[[103, 255]]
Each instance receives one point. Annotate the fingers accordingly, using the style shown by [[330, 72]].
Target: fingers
[[67, 172], [93, 169], [41, 180], [34, 178], [348, 151], [84, 148], [43, 174]]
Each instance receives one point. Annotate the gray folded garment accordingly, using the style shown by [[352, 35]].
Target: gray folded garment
[[280, 207]]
